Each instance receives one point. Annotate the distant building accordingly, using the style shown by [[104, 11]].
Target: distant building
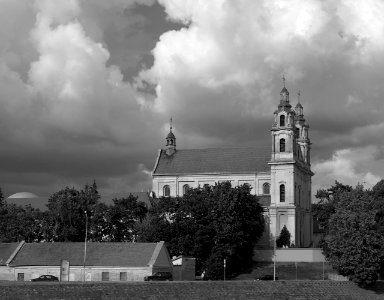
[[103, 261], [279, 173], [184, 268]]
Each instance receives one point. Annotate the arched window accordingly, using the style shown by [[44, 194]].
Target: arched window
[[282, 120], [185, 188], [266, 188], [282, 193], [282, 145], [166, 191]]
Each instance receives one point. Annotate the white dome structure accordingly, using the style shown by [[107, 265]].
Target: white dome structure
[[23, 195]]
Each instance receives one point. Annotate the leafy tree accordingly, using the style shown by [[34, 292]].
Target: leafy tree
[[353, 245], [68, 210], [284, 238], [328, 199], [210, 224], [1, 198], [19, 223], [122, 216]]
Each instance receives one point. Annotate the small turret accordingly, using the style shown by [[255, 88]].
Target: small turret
[[171, 141]]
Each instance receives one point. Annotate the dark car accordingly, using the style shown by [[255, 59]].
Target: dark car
[[159, 276], [267, 277], [46, 278]]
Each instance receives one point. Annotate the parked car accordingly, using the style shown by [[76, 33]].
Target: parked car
[[46, 278], [159, 276], [267, 277]]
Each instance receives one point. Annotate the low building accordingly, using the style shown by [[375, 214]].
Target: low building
[[100, 261], [7, 252], [184, 268]]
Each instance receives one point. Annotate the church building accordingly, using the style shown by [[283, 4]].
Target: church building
[[279, 173]]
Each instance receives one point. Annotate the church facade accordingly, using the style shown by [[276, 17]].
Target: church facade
[[279, 173]]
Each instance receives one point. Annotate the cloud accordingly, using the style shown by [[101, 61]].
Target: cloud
[[69, 116], [82, 96], [349, 166], [223, 70]]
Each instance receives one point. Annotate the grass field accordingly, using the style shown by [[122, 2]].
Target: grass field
[[192, 290], [289, 271]]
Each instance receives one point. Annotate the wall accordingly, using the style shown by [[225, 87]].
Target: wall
[[176, 183], [76, 273], [184, 268], [6, 273], [289, 255]]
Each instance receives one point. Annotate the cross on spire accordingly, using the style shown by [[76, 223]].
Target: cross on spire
[[170, 124], [284, 79], [298, 96]]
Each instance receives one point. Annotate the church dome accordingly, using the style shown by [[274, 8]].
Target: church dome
[[170, 135], [23, 195], [284, 90]]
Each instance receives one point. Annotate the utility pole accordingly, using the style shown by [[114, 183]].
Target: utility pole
[[85, 243]]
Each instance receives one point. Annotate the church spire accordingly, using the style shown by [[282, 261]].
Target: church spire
[[284, 93], [299, 107], [171, 140]]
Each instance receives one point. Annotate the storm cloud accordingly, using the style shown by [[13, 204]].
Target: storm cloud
[[87, 87]]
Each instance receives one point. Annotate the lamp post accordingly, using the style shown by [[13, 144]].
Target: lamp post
[[85, 243]]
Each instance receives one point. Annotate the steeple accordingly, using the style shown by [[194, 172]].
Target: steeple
[[171, 140], [299, 107], [284, 94]]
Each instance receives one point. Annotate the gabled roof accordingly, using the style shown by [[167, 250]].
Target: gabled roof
[[214, 160], [98, 254], [6, 251]]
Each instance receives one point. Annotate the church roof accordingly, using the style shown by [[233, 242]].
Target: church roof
[[214, 160]]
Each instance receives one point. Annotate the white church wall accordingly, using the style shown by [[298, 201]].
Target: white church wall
[[176, 183]]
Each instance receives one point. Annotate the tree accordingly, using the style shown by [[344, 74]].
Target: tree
[[122, 216], [210, 224], [328, 199], [1, 198], [284, 238], [353, 245], [68, 209]]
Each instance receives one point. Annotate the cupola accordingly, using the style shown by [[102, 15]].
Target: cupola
[[171, 141]]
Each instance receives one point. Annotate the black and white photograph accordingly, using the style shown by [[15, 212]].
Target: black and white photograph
[[191, 149]]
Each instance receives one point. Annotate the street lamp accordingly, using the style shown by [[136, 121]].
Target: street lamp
[[85, 243]]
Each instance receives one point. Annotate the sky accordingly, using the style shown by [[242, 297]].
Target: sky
[[87, 87]]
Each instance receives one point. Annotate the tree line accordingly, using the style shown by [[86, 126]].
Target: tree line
[[210, 223], [353, 222]]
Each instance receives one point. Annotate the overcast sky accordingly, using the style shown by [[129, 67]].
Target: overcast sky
[[87, 87]]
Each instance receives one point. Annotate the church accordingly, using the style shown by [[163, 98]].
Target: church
[[279, 173]]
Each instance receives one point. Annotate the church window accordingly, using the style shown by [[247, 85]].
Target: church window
[[282, 120], [266, 188], [166, 191], [282, 193], [185, 188], [282, 145]]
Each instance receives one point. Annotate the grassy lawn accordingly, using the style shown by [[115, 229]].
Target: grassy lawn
[[289, 271]]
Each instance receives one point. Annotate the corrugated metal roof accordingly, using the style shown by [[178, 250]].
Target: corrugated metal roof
[[214, 160], [98, 254]]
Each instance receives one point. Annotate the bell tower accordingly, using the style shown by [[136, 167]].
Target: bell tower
[[171, 141], [283, 129], [290, 173]]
